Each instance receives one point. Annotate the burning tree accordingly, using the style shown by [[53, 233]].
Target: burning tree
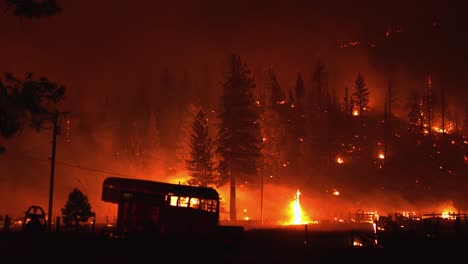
[[77, 209], [201, 165], [239, 140], [415, 114], [361, 94]]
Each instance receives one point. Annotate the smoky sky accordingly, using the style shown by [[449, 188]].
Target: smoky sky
[[97, 46]]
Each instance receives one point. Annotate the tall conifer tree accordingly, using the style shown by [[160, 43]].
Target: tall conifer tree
[[361, 94], [239, 138], [201, 165]]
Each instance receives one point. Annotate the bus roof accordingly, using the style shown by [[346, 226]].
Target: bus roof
[[113, 186]]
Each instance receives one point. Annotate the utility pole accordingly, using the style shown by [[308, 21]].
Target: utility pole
[[52, 170], [55, 116]]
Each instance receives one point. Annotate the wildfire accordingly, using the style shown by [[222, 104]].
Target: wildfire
[[449, 128], [297, 215], [339, 160]]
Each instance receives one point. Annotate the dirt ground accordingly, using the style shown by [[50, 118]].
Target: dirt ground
[[254, 246]]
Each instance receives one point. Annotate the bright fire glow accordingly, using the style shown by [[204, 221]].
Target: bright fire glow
[[447, 129], [297, 214], [355, 112], [381, 156], [297, 211], [339, 160]]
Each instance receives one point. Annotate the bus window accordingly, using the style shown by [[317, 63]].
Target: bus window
[[194, 203], [183, 202], [214, 206], [173, 200], [205, 205]]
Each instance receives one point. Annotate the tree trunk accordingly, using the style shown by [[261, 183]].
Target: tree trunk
[[232, 201]]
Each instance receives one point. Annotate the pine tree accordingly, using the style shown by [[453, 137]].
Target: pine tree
[[25, 101], [273, 127], [361, 94], [296, 131], [77, 209], [152, 144], [352, 103], [201, 165], [239, 140], [346, 101], [185, 132], [300, 92], [276, 94], [320, 80]]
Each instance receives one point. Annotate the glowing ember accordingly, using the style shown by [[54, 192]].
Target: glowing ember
[[339, 160], [381, 156], [355, 112]]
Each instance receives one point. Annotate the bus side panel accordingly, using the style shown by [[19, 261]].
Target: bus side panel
[[139, 214], [178, 221]]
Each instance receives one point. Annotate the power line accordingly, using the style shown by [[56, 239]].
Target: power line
[[63, 163], [93, 169]]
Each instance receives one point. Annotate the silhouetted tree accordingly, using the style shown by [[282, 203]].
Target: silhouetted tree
[[152, 138], [346, 102], [27, 100], [273, 126], [429, 104], [361, 94], [351, 105], [239, 140], [443, 109], [300, 92], [32, 8], [13, 108], [276, 94], [320, 79], [185, 132], [201, 165], [296, 131], [77, 209]]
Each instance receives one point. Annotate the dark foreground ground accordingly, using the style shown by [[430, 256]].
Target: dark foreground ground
[[274, 245]]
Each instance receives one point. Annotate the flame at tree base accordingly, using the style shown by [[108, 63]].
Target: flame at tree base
[[296, 212]]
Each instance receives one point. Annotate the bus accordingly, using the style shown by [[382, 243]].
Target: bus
[[162, 209]]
